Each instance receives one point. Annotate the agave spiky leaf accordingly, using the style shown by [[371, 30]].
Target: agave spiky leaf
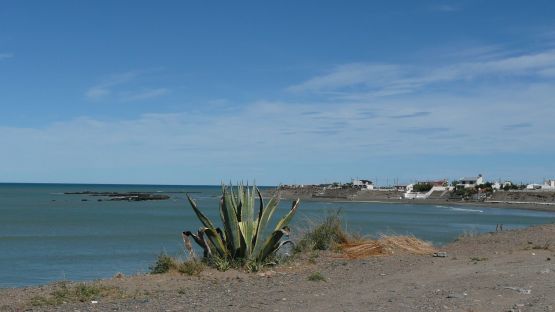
[[287, 218], [199, 239], [205, 221], [231, 224], [272, 243], [216, 241], [266, 212], [247, 224]]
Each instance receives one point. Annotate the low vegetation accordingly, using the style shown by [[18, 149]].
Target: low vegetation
[[66, 293], [316, 277], [327, 235], [422, 187], [164, 264]]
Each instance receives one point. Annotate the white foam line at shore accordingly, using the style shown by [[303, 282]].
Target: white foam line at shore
[[517, 202]]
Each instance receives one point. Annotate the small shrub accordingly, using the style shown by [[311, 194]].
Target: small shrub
[[79, 293], [324, 236], [221, 264], [253, 266], [313, 256], [316, 277], [163, 264], [477, 259], [191, 267]]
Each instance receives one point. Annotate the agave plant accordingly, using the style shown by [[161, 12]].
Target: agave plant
[[245, 236]]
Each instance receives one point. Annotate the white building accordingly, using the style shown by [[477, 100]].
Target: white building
[[363, 184], [533, 186], [498, 185], [548, 185], [469, 182]]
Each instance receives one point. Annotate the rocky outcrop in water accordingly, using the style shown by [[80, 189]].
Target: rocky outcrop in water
[[127, 196]]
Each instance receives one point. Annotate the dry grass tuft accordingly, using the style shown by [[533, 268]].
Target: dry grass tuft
[[408, 244], [386, 245]]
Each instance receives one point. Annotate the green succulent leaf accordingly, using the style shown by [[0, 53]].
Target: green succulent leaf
[[272, 243], [205, 221]]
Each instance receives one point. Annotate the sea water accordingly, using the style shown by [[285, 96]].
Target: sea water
[[46, 235]]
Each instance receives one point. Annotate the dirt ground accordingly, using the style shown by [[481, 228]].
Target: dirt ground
[[512, 270]]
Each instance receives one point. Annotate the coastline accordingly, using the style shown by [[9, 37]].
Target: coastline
[[547, 207], [488, 272], [522, 200]]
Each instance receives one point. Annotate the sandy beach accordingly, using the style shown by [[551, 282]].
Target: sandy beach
[[512, 270]]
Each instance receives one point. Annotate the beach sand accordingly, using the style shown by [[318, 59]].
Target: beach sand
[[512, 270]]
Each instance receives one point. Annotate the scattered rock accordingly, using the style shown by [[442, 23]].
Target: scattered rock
[[441, 254], [457, 295], [520, 290]]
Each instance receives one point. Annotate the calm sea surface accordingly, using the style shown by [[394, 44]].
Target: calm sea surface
[[47, 236]]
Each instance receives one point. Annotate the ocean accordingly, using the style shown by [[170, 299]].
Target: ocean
[[46, 235]]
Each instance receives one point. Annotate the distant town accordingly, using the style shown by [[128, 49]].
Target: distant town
[[476, 189]]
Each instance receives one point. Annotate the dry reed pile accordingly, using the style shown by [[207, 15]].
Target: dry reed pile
[[385, 245]]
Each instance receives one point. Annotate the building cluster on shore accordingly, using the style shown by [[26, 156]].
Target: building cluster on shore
[[466, 188]]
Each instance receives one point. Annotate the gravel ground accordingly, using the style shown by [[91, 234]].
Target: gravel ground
[[504, 271]]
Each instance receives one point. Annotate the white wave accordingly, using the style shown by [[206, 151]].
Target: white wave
[[461, 209], [465, 209]]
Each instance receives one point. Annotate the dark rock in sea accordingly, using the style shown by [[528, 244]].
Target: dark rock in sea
[[128, 196], [140, 197]]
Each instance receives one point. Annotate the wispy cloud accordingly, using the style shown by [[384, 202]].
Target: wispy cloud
[[516, 126], [144, 94], [445, 8], [173, 146], [4, 56], [122, 88], [412, 115], [362, 81]]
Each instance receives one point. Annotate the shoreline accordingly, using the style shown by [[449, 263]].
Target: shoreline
[[508, 200], [547, 207], [489, 272]]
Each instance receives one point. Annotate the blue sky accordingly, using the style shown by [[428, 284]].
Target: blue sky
[[196, 92]]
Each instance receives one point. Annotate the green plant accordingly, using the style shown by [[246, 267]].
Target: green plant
[[163, 264], [245, 237], [324, 236], [316, 277], [313, 256], [221, 264], [422, 187], [191, 267], [78, 293]]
